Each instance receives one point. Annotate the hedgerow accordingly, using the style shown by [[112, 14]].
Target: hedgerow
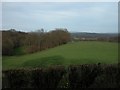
[[74, 76]]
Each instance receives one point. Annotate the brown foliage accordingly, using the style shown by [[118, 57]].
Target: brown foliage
[[33, 41]]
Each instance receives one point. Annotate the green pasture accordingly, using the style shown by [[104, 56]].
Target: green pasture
[[84, 52]]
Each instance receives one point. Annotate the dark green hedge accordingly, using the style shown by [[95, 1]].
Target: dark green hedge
[[94, 76], [74, 76]]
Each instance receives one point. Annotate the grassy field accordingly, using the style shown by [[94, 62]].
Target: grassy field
[[83, 52]]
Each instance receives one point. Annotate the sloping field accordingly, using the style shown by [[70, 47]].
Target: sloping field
[[84, 52]]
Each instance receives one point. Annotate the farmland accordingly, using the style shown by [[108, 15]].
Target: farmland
[[83, 52]]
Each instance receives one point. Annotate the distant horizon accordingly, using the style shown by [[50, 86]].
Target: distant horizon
[[67, 29]]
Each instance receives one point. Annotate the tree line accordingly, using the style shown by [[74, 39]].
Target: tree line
[[33, 41]]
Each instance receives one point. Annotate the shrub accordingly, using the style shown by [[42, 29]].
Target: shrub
[[15, 78], [82, 76], [108, 77], [33, 78], [49, 77], [74, 76]]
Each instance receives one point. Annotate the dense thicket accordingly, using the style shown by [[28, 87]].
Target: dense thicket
[[75, 76], [32, 41], [11, 39]]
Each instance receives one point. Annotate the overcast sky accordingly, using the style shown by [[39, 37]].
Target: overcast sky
[[100, 17]]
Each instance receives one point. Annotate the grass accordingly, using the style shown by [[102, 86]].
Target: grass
[[84, 52]]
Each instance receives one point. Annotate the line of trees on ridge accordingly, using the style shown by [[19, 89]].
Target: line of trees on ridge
[[33, 41]]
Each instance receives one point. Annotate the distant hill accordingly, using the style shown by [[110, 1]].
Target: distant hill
[[93, 35]]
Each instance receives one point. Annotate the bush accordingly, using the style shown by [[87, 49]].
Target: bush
[[94, 76], [15, 78], [33, 78], [48, 77], [75, 76], [82, 76]]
